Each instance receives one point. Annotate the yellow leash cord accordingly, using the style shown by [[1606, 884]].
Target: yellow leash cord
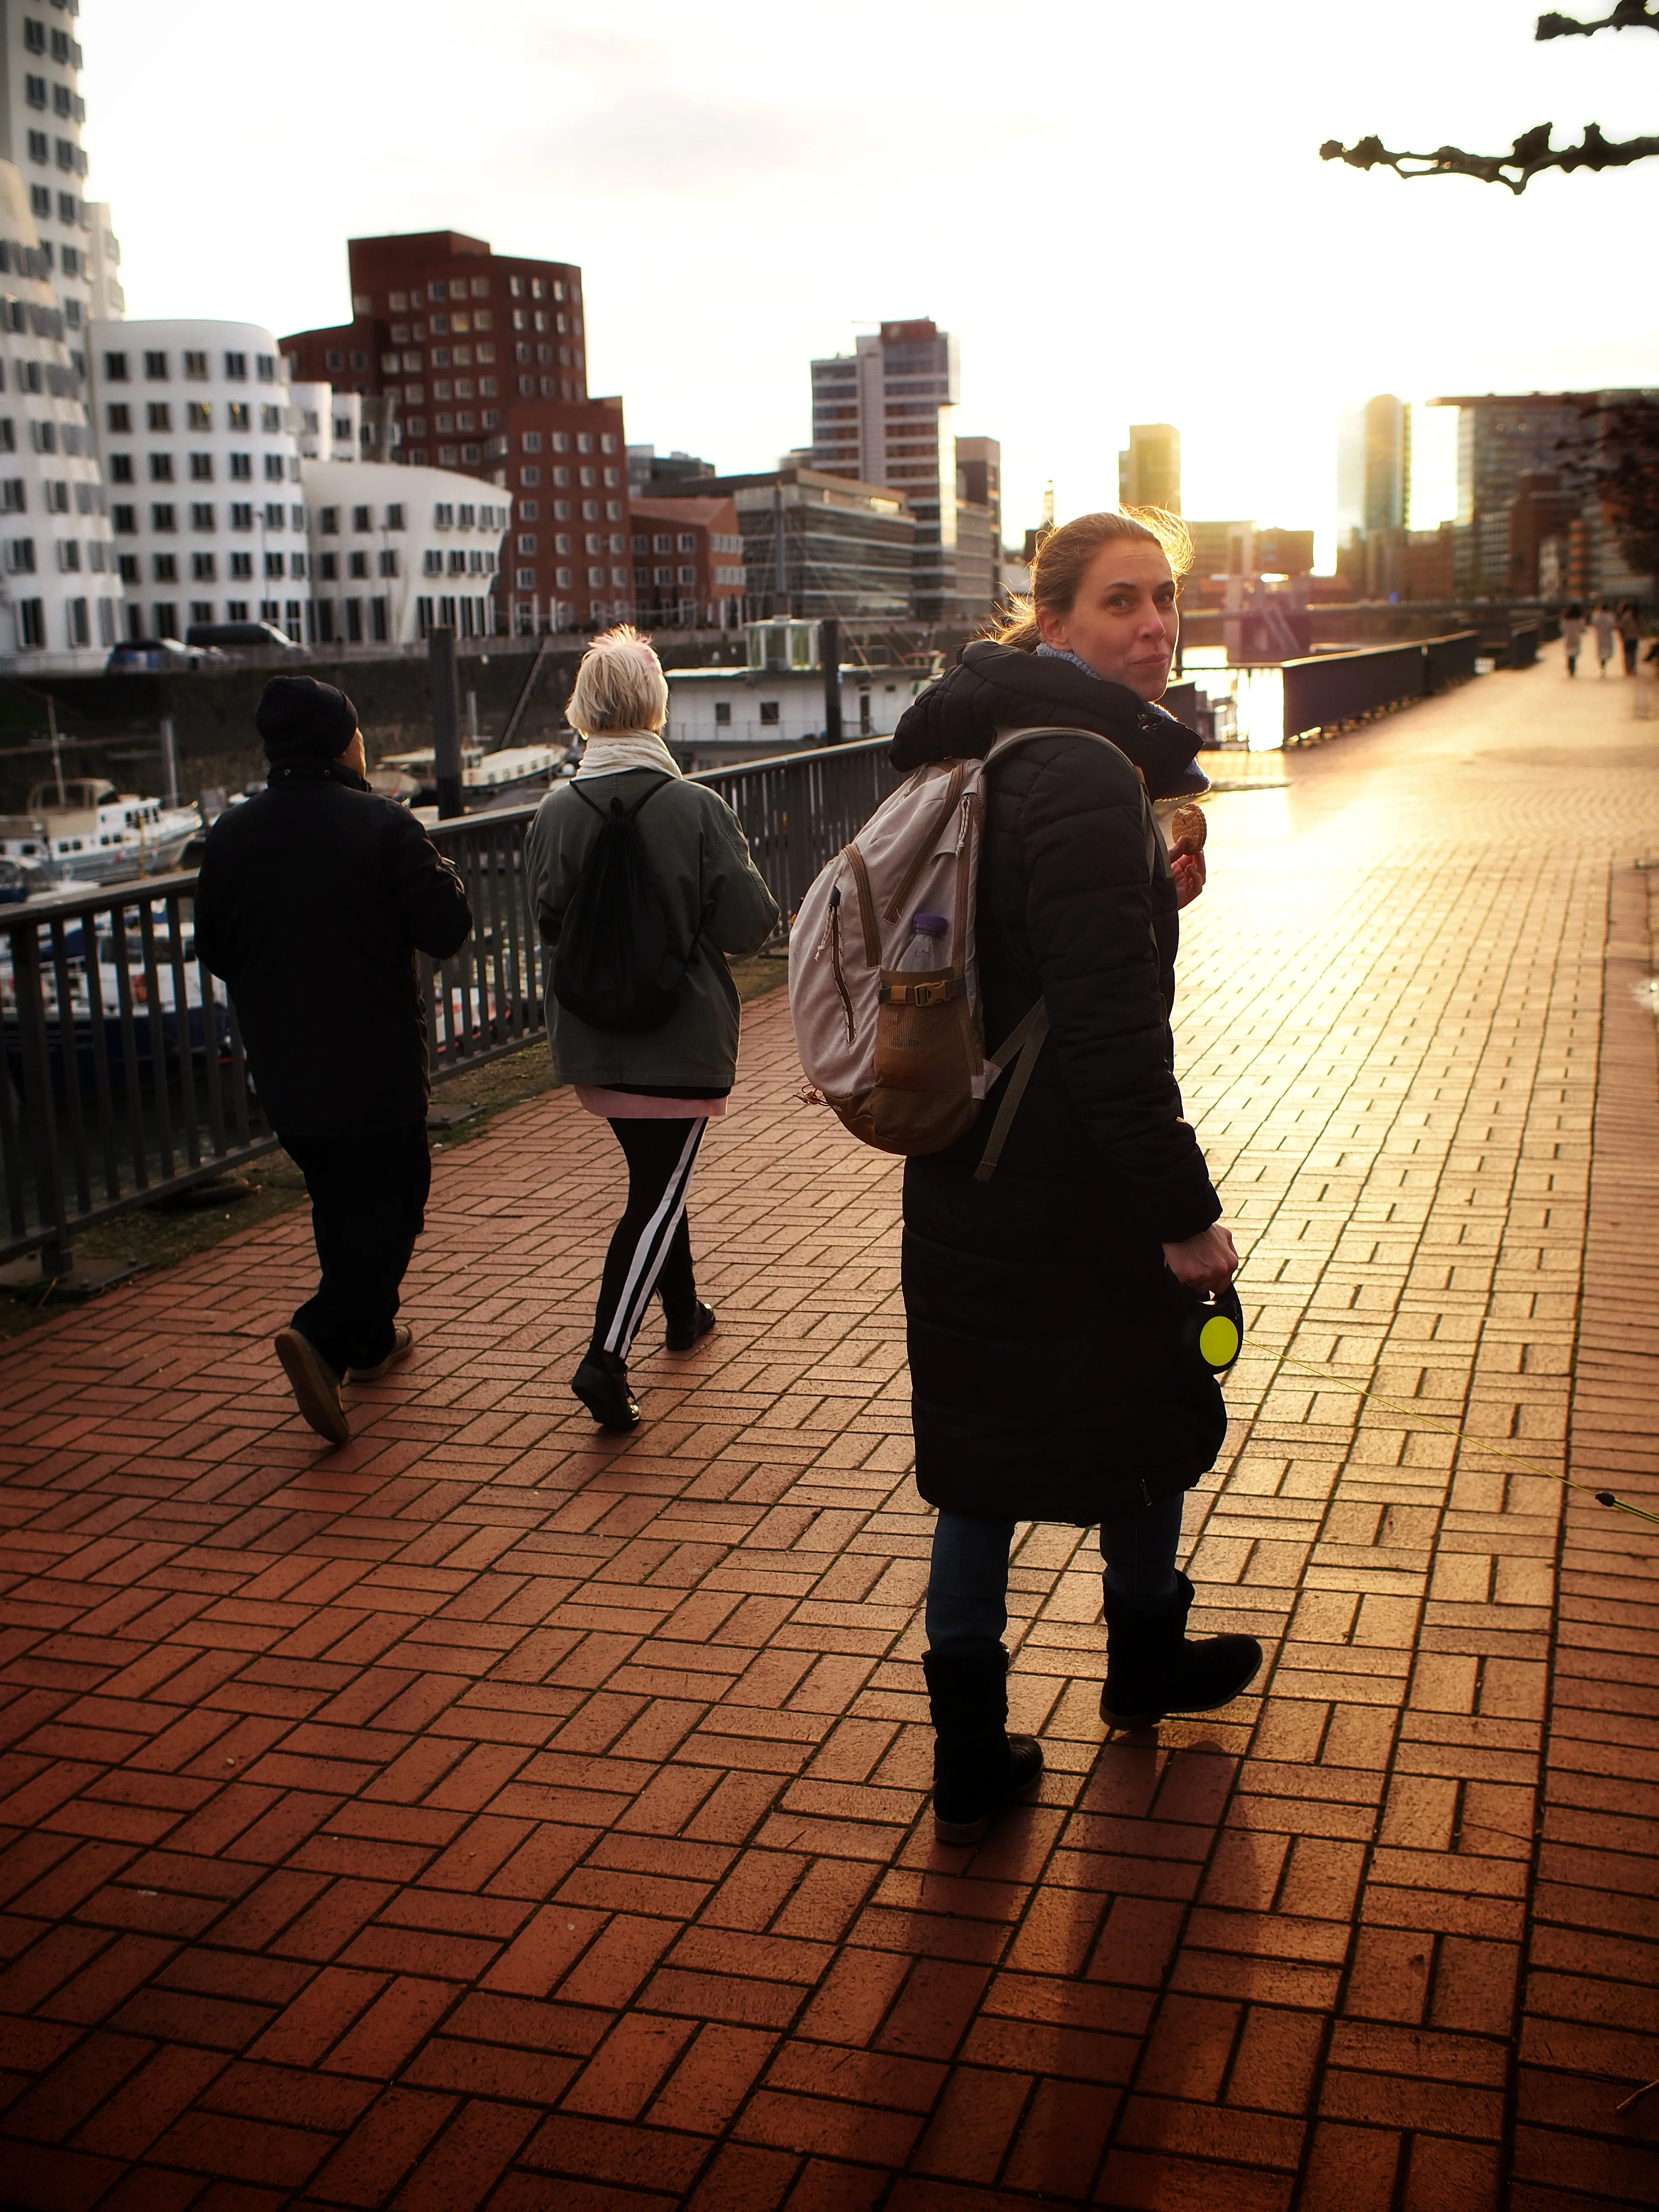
[[1475, 1443]]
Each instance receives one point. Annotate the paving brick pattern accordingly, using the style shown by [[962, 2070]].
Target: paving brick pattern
[[494, 1814]]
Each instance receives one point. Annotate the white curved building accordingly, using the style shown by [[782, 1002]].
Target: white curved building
[[395, 549], [41, 115], [201, 466], [59, 592]]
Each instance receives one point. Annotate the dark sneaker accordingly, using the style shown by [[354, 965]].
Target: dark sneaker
[[681, 1336], [316, 1386], [403, 1343], [601, 1383]]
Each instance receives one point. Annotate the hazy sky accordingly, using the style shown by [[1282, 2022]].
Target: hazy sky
[[1119, 209]]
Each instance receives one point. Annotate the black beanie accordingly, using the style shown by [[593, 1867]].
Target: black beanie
[[300, 719]]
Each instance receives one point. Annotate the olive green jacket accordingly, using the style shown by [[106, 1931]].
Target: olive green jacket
[[697, 847]]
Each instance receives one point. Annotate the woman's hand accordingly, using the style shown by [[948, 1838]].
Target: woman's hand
[[1206, 1263], [1190, 877]]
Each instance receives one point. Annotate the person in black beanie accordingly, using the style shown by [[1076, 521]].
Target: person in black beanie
[[313, 900]]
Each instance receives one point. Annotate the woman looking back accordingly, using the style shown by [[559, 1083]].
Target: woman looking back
[[1046, 1306]]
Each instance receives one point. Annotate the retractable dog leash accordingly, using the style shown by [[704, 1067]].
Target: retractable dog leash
[[1214, 1333]]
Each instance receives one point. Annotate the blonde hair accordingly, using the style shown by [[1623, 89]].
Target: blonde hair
[[619, 685], [1062, 559]]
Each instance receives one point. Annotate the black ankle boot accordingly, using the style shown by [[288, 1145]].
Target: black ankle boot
[[977, 1766], [682, 1334], [601, 1383], [1151, 1669]]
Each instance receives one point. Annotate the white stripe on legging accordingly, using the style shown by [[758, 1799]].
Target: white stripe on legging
[[652, 1249]]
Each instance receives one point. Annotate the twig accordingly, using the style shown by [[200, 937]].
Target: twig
[[1528, 157], [1643, 2091], [1628, 15]]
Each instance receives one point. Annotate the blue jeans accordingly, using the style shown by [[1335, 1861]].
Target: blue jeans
[[968, 1582]]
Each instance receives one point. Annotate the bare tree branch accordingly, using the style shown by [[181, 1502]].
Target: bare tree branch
[[1528, 157], [1628, 15]]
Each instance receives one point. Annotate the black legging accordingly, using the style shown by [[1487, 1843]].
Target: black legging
[[651, 1247]]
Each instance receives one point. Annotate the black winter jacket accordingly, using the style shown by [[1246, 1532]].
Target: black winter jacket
[[1049, 1377], [312, 902]]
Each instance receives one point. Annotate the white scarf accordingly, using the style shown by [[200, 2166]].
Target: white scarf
[[610, 752]]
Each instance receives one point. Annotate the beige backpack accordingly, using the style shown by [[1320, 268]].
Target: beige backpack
[[898, 1050]]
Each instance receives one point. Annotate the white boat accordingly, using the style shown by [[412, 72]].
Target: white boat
[[95, 834], [506, 777]]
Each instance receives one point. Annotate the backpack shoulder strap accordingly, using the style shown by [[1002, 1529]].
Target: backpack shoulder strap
[[628, 813]]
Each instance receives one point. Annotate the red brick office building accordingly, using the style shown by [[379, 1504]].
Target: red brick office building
[[688, 563], [478, 362]]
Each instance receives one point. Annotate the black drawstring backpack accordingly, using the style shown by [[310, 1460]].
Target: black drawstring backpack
[[620, 963]]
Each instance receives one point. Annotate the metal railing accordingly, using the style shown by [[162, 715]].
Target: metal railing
[[124, 1079], [1327, 689]]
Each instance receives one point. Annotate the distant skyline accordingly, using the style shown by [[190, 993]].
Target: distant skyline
[[1121, 218]]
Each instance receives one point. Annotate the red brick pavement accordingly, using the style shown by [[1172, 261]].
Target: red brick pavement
[[492, 1814]]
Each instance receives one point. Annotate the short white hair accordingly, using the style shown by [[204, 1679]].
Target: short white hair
[[619, 686]]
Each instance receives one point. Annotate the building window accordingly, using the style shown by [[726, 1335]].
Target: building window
[[689, 575], [274, 472], [768, 713], [688, 542], [265, 365], [722, 714], [241, 515], [388, 564], [195, 368], [39, 150], [432, 563], [202, 567], [362, 518], [359, 564], [242, 566], [123, 522], [198, 415], [274, 565], [155, 368], [241, 467], [128, 567], [202, 516], [527, 542], [160, 468], [158, 416], [526, 579], [115, 372], [201, 468], [163, 516], [165, 569]]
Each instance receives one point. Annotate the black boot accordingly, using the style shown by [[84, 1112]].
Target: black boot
[[601, 1383], [1151, 1669], [977, 1766], [682, 1334]]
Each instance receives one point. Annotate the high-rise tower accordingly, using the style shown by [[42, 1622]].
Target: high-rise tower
[[885, 415]]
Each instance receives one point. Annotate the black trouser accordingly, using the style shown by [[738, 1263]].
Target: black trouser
[[1630, 644], [369, 1193], [651, 1246]]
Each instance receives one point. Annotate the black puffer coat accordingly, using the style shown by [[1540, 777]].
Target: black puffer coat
[[1048, 1373]]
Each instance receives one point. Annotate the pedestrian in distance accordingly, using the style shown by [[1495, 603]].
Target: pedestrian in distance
[[314, 900], [1604, 622], [1573, 636], [1051, 1308], [643, 886], [1630, 632]]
